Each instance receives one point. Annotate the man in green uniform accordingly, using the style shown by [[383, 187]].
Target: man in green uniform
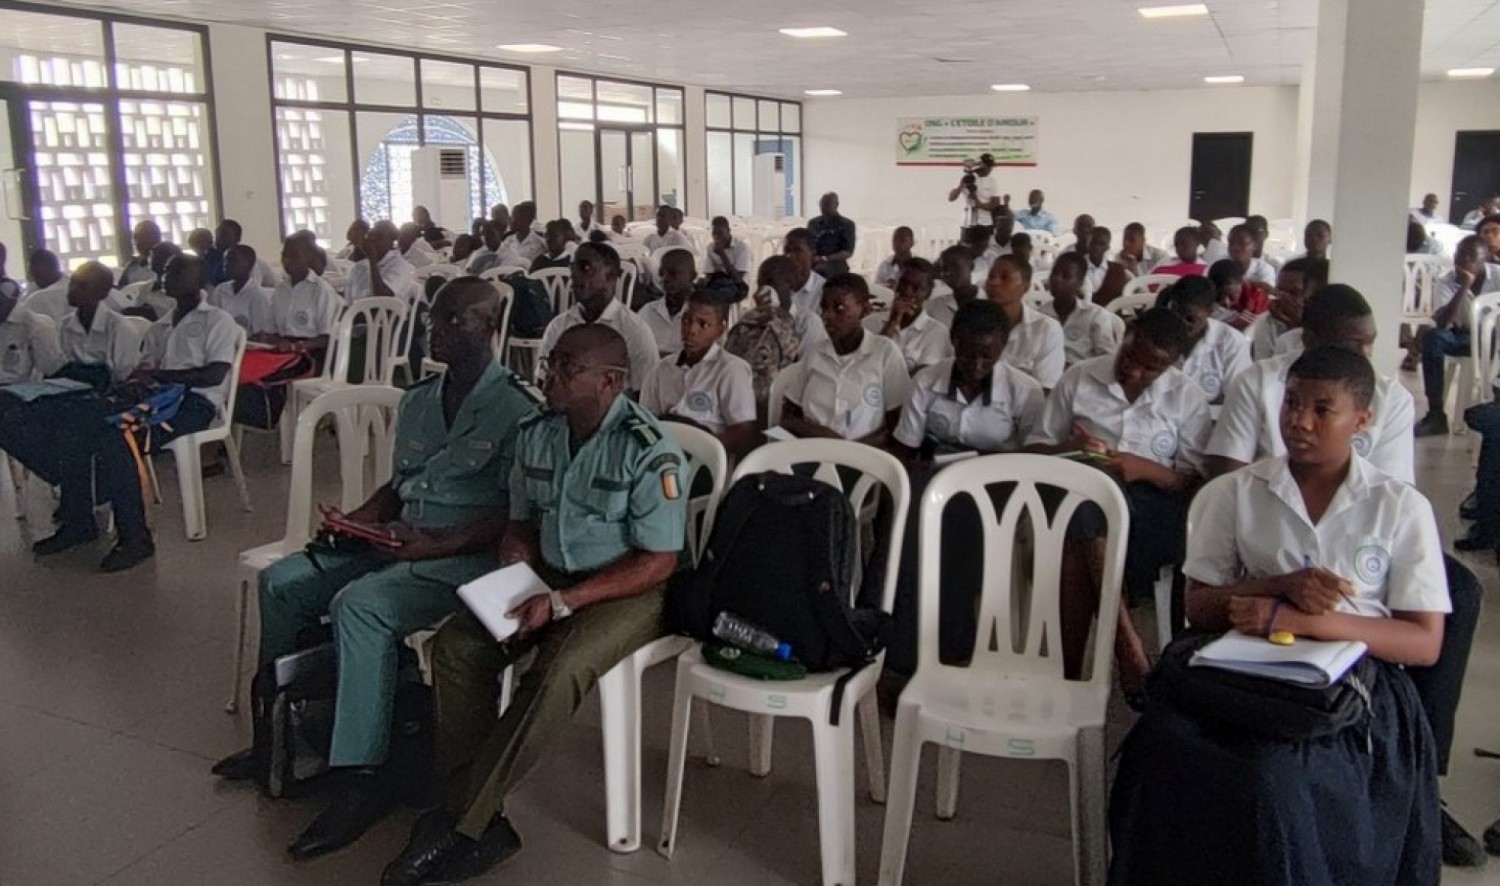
[[446, 503], [597, 507]]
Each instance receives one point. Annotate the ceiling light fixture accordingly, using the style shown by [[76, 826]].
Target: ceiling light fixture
[[529, 47], [1226, 79], [1181, 11], [822, 92], [1470, 73], [811, 33], [1010, 87]]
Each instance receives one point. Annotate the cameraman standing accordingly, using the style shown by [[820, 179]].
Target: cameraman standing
[[980, 195]]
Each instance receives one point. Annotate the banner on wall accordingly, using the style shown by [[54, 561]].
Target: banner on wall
[[952, 141]]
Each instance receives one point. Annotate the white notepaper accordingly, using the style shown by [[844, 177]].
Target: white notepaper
[[779, 433], [1315, 663], [492, 596]]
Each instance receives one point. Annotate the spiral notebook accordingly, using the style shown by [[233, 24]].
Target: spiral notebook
[[1316, 664]]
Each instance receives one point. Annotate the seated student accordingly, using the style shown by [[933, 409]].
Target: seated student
[[889, 270], [1489, 231], [1427, 212], [1034, 217], [1216, 352], [1417, 241], [955, 270], [354, 241], [559, 252], [1479, 213], [153, 301], [1214, 248], [429, 232], [230, 234], [1138, 256], [665, 234], [1083, 229], [48, 294], [1035, 343], [703, 383], [1260, 230], [807, 292], [1317, 237], [145, 237], [852, 384], [1088, 330], [1242, 251], [597, 508], [487, 254], [972, 400], [521, 244], [1240, 302], [1449, 335], [726, 254], [923, 341], [201, 242], [381, 271], [463, 247], [1004, 230], [1186, 263], [596, 271], [663, 316], [617, 231], [1104, 279], [304, 307], [1335, 316], [29, 347], [417, 252], [446, 502], [770, 335], [1021, 247], [246, 300], [1323, 545], [1297, 280], [1137, 408], [589, 220]]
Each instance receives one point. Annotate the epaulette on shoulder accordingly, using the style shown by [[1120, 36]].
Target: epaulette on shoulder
[[643, 430], [526, 389], [427, 382], [535, 419]]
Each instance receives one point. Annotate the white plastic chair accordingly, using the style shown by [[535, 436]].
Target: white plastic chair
[[812, 697], [1419, 293], [1010, 701], [446, 271], [784, 380], [1127, 306], [1167, 627], [626, 284], [1148, 284], [1467, 375], [556, 282], [365, 418], [1037, 296], [882, 295]]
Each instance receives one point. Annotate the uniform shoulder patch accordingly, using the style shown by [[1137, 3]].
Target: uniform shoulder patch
[[665, 460], [643, 431]]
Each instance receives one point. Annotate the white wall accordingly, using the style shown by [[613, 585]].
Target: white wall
[[1444, 109], [246, 142]]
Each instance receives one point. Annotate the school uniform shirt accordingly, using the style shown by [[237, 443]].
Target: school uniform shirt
[[250, 306], [396, 271], [809, 326], [420, 254], [1447, 287], [986, 261], [544, 261], [923, 343], [1094, 275], [1249, 426], [110, 341], [1219, 356], [740, 259], [666, 328], [1003, 415], [851, 394], [1261, 271], [266, 274], [1214, 250], [307, 309], [1290, 342], [1090, 331], [640, 343], [985, 188], [1378, 532], [481, 260], [1036, 347], [205, 336], [888, 272], [1263, 335], [49, 301], [521, 251], [136, 270], [716, 392], [1168, 423], [810, 297], [672, 237], [1041, 220], [1151, 256], [29, 347], [941, 305]]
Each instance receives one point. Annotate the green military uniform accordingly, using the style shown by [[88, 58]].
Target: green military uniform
[[621, 491], [446, 478]]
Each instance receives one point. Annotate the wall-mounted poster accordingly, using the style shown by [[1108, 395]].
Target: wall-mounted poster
[[953, 141]]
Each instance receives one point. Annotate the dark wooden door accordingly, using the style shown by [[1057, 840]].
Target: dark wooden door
[[1220, 180], [1476, 171]]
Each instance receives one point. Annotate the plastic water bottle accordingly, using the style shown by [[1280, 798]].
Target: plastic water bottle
[[737, 632]]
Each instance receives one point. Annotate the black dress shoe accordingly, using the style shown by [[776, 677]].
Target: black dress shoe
[[363, 799], [1433, 424], [64, 539], [499, 842], [1477, 540], [1460, 849], [433, 844], [243, 766], [128, 554], [1468, 509]]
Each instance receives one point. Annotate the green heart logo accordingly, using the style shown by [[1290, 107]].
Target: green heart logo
[[912, 140]]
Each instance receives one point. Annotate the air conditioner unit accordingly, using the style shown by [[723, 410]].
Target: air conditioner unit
[[768, 178], [440, 182]]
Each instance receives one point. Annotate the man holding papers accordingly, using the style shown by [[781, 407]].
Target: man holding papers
[[1323, 545], [598, 509], [446, 507]]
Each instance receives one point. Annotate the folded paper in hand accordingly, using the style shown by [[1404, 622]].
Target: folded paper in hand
[[492, 597], [1314, 663]]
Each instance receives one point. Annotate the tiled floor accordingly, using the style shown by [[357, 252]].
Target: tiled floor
[[111, 691]]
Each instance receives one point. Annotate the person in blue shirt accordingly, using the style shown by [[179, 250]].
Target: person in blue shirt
[[832, 236], [1034, 217]]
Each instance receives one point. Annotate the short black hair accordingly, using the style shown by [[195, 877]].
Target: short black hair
[[702, 295], [848, 282], [1162, 328], [1223, 272], [1188, 231], [679, 254], [1021, 265], [957, 252], [1241, 228], [980, 317], [719, 221], [903, 229], [247, 250], [233, 225], [1493, 219], [1332, 305], [921, 264], [1189, 292], [1072, 258], [797, 235], [606, 252], [1021, 239], [1135, 226], [1347, 368], [1317, 223]]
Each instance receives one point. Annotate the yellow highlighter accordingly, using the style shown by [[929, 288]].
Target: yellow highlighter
[[1282, 638]]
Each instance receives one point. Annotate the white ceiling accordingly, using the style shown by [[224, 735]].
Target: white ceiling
[[894, 47]]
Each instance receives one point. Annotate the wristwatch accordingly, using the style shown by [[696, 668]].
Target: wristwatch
[[560, 609]]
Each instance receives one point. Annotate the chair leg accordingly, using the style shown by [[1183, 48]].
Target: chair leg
[[507, 687], [1090, 837], [1163, 594], [155, 483], [761, 729], [947, 782], [18, 482], [703, 726], [189, 457], [682, 705], [232, 454], [869, 729], [241, 603], [620, 707], [833, 756], [906, 756], [286, 427]]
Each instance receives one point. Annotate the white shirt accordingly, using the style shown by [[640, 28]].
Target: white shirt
[[1094, 274], [739, 257], [521, 252], [1214, 250], [810, 297], [985, 189], [1168, 423], [307, 309], [111, 341], [1219, 356], [1263, 334], [1447, 288], [49, 301], [1035, 347], [1151, 256], [987, 260], [923, 343], [1090, 331], [888, 272], [396, 271], [28, 347], [250, 306], [207, 335], [1253, 524], [672, 237], [1290, 342], [420, 254], [810, 329], [135, 271], [851, 394], [266, 273], [941, 306], [1261, 271], [997, 421], [640, 344], [1249, 426], [666, 328], [716, 392]]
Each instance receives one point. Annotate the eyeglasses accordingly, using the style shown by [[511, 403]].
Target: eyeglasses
[[564, 368]]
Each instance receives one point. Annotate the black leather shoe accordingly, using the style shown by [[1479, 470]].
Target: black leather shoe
[[128, 554], [62, 540], [1477, 540], [243, 766], [1468, 509], [1434, 424], [432, 846], [499, 842], [1460, 849], [363, 799]]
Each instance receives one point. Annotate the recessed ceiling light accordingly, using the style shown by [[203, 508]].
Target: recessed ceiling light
[[822, 92], [1228, 78], [1009, 87], [529, 47], [1462, 73], [1180, 11], [808, 33]]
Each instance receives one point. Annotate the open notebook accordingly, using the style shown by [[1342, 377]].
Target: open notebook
[[1314, 663], [492, 596]]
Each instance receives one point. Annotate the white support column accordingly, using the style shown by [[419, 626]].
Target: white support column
[[1364, 127], [694, 151], [247, 152], [547, 186]]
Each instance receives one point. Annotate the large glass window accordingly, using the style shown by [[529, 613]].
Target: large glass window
[[740, 130], [376, 156], [620, 145]]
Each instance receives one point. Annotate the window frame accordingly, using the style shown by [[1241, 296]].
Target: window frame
[[756, 133], [652, 125]]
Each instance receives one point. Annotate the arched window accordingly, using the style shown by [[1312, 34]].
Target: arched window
[[386, 183]]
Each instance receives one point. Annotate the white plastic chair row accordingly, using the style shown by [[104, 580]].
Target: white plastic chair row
[[1470, 376], [1418, 296], [1148, 284]]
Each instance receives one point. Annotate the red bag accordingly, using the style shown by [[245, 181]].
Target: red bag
[[264, 376]]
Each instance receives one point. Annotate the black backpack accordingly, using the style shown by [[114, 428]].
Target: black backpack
[[532, 309], [781, 557]]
